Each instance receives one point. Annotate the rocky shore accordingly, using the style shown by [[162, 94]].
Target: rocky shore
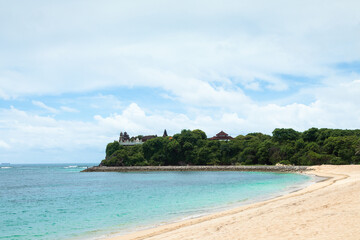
[[198, 168]]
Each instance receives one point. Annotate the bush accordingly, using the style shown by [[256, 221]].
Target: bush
[[284, 162], [337, 161]]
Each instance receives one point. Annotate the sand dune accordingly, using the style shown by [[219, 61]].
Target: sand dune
[[325, 210]]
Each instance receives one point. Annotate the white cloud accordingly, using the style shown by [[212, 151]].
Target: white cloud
[[196, 92], [3, 144], [54, 110], [68, 109], [101, 101], [44, 106], [245, 41], [37, 132]]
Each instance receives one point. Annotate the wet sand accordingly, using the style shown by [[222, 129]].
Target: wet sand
[[325, 210]]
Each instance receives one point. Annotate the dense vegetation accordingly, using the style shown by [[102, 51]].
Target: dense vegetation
[[285, 146]]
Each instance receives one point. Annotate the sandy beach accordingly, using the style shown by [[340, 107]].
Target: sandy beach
[[326, 210]]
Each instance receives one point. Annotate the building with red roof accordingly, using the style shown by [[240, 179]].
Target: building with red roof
[[222, 136]]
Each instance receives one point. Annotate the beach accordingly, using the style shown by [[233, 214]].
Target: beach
[[329, 209]]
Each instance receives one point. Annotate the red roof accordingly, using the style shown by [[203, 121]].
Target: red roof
[[221, 136]]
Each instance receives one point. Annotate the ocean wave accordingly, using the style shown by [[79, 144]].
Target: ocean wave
[[75, 166], [5, 167]]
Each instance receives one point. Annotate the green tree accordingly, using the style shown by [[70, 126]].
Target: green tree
[[263, 152], [172, 152], [111, 148], [203, 155], [199, 134], [153, 146], [285, 134], [311, 135], [312, 146]]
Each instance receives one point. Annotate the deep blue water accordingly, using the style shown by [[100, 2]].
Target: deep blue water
[[59, 202]]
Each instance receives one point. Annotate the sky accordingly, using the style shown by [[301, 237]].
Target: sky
[[74, 74]]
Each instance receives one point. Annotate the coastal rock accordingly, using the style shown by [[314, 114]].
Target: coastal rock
[[282, 168]]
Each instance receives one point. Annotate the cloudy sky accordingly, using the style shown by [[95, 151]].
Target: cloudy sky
[[74, 73]]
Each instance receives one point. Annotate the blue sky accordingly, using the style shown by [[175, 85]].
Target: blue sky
[[73, 74]]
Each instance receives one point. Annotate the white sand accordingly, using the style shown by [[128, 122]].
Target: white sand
[[325, 210]]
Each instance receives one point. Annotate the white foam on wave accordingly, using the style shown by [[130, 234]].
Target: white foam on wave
[[5, 167], [71, 166]]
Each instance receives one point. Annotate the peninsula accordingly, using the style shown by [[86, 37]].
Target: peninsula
[[192, 147]]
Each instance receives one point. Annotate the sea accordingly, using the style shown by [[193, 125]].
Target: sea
[[58, 201]]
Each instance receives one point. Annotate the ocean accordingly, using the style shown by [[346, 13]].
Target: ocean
[[57, 201]]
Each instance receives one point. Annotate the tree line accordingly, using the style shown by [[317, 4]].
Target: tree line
[[286, 146]]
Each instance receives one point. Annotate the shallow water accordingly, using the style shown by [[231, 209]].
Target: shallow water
[[59, 202]]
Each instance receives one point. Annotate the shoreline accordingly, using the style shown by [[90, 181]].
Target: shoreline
[[217, 209], [209, 226], [260, 168]]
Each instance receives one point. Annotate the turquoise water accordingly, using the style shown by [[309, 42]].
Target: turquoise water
[[59, 202]]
